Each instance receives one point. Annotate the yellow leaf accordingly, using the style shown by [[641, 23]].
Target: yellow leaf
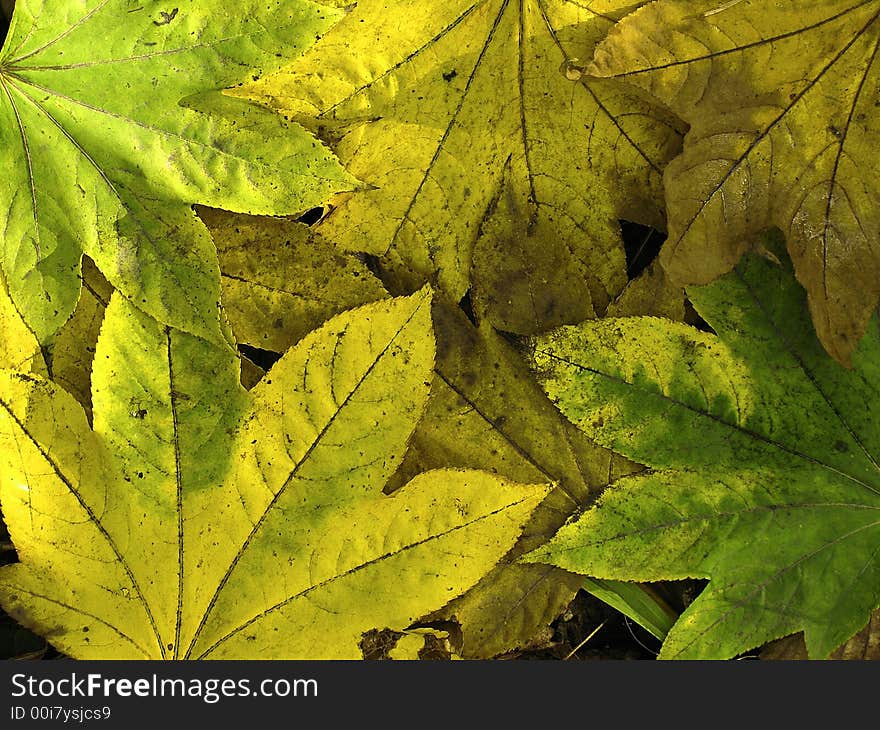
[[19, 348], [781, 99], [475, 131], [487, 412], [198, 520]]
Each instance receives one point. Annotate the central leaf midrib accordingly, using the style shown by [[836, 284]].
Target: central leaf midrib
[[276, 290], [711, 518], [13, 65], [178, 483]]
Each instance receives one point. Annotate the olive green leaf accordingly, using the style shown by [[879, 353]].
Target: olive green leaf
[[73, 351], [781, 102], [251, 373], [652, 294], [280, 279], [764, 456], [491, 160], [101, 157], [197, 520]]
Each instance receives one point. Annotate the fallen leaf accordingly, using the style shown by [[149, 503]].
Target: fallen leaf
[[764, 474], [490, 159], [650, 294], [198, 520], [864, 645], [486, 412], [280, 280], [104, 151], [780, 98]]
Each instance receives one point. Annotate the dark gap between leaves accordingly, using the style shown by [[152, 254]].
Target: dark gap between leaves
[[376, 644], [693, 318], [17, 642], [642, 245], [520, 343], [6, 8], [310, 217], [262, 358], [619, 637], [679, 594], [7, 551], [371, 261], [466, 305]]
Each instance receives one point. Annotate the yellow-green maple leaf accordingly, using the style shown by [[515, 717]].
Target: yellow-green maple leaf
[[491, 160], [111, 127], [782, 102], [197, 520], [764, 476]]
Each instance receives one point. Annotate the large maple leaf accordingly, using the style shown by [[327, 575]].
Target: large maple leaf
[[492, 161], [765, 457], [198, 520], [103, 150], [781, 99]]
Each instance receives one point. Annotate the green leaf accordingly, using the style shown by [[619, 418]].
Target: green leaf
[[101, 157], [780, 99], [197, 520], [764, 453], [487, 154], [280, 280], [636, 602]]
